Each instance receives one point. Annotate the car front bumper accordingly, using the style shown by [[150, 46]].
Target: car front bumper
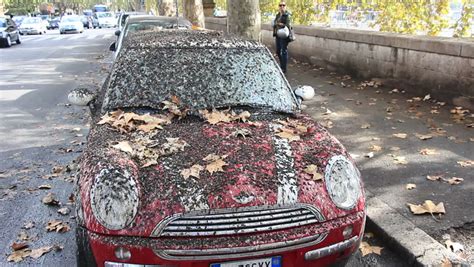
[[335, 247]]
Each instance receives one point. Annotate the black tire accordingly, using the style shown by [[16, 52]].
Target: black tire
[[18, 41], [84, 256], [8, 41]]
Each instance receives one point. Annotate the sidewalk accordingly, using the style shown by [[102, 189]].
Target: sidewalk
[[399, 139]]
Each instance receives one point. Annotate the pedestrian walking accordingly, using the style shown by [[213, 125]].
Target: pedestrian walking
[[281, 32]]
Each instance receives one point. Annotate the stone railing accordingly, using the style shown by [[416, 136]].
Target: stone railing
[[442, 67]]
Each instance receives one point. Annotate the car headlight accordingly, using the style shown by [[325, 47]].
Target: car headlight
[[342, 182], [114, 198]]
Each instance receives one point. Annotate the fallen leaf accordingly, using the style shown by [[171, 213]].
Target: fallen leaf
[[241, 133], [400, 135], [45, 186], [124, 146], [36, 253], [433, 177], [215, 116], [454, 180], [288, 134], [366, 249], [18, 246], [28, 225], [466, 163], [172, 145], [216, 166], [424, 136], [57, 226], [57, 169], [212, 157], [50, 199], [427, 207], [365, 126], [428, 151], [193, 171], [313, 170], [375, 148], [64, 211], [410, 186], [427, 97], [400, 160], [19, 255]]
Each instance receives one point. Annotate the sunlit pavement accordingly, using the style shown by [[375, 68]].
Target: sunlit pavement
[[40, 136]]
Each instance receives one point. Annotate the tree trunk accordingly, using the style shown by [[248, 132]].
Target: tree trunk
[[243, 18], [194, 12], [167, 8]]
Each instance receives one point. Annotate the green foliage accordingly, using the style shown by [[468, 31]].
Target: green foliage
[[462, 27]]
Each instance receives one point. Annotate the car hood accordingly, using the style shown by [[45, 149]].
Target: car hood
[[260, 169]]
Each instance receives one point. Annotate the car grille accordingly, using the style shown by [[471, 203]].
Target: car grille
[[238, 221]]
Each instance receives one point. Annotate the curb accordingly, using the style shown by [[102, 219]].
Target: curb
[[404, 237]]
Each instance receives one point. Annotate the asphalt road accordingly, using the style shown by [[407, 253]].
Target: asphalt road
[[41, 136]]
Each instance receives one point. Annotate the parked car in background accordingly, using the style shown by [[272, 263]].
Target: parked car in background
[[9, 32], [53, 24], [137, 23], [18, 20], [123, 17], [71, 24], [32, 25], [87, 22], [106, 19], [198, 155]]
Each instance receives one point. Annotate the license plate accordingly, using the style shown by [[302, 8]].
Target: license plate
[[266, 262]]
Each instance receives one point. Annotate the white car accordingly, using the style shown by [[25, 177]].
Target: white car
[[71, 24], [106, 19], [32, 25]]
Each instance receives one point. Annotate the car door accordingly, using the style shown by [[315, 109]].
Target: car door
[[12, 29]]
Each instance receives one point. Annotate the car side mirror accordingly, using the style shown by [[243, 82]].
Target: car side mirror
[[81, 96], [304, 92], [112, 46], [117, 33]]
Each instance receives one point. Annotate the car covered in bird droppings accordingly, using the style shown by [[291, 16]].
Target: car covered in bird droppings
[[198, 155]]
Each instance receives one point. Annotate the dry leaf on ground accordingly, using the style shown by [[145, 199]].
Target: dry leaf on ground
[[64, 211], [400, 135], [433, 177], [427, 207], [400, 160], [36, 253], [57, 226], [365, 126], [313, 170], [375, 148], [466, 163], [366, 248], [19, 255], [193, 171], [410, 186], [428, 151], [45, 186], [454, 180], [50, 199], [424, 136], [20, 245]]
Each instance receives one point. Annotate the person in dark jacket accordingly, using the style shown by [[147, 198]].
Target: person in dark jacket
[[282, 20]]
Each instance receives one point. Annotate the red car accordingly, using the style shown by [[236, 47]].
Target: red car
[[198, 156]]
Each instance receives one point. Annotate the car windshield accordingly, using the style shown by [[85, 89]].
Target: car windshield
[[200, 77], [104, 15], [31, 20], [153, 25], [3, 23], [71, 19]]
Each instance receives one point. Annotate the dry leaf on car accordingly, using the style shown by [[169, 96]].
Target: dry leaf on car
[[215, 163], [193, 171], [241, 133], [313, 170], [366, 248], [427, 207], [289, 134], [124, 146]]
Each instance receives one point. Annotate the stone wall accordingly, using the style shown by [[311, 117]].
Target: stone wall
[[442, 67]]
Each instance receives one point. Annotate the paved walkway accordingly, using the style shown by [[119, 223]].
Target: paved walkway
[[383, 128]]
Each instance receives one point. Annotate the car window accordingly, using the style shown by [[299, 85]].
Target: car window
[[104, 15], [70, 19], [31, 20], [200, 78]]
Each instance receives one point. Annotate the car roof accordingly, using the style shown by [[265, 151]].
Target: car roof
[[134, 13], [188, 39]]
